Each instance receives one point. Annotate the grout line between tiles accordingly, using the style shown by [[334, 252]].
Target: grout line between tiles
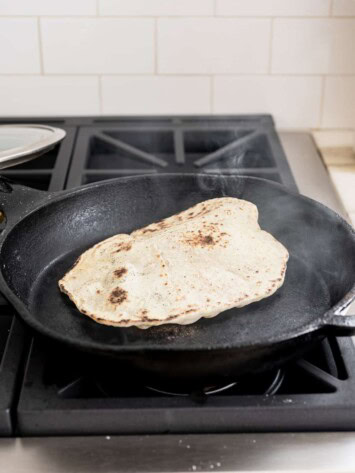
[[181, 17], [97, 7], [270, 45], [321, 110], [211, 94], [101, 105], [331, 6], [155, 46], [214, 7], [177, 75], [41, 64], [91, 74]]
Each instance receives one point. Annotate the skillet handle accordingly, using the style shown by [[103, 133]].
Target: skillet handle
[[16, 201], [341, 325]]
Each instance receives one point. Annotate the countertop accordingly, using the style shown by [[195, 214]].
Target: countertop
[[277, 452], [337, 149]]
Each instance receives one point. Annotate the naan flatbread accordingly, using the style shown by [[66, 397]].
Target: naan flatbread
[[199, 263]]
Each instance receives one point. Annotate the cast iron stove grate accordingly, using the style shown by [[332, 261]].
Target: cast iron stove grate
[[60, 396], [231, 145], [12, 347], [62, 393], [45, 173]]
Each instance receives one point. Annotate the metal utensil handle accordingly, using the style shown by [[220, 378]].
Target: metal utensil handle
[[16, 201], [341, 325]]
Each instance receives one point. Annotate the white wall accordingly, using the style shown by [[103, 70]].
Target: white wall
[[292, 58]]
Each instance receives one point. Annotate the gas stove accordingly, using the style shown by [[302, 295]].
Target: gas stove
[[47, 389]]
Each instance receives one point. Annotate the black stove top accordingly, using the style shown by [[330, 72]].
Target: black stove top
[[47, 389]]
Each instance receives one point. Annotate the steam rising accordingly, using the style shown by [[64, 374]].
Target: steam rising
[[220, 155]]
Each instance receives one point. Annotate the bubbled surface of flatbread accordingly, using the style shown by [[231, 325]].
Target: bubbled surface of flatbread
[[199, 263]]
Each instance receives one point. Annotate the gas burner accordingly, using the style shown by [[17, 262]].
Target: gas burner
[[264, 383], [207, 391]]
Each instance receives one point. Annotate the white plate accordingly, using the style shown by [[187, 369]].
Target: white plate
[[20, 143]]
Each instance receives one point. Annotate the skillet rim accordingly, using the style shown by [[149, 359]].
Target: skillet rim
[[24, 313]]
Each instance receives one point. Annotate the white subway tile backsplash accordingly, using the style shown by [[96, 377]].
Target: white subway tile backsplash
[[313, 46], [339, 103], [101, 46], [343, 7], [47, 7], [211, 45], [294, 59], [156, 7], [19, 47], [294, 101], [55, 95], [273, 7], [155, 95]]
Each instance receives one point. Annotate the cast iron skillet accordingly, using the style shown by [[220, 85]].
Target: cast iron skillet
[[45, 232]]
